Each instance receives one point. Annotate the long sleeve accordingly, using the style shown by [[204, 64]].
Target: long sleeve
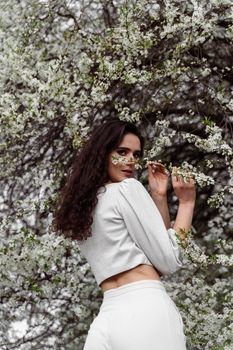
[[146, 227]]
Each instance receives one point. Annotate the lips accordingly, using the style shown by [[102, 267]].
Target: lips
[[128, 172]]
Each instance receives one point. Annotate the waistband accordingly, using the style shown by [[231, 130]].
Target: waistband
[[132, 286]]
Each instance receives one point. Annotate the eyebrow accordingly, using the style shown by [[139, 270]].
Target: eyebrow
[[128, 149]]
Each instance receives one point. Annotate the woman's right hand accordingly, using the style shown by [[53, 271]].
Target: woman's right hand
[[185, 191]]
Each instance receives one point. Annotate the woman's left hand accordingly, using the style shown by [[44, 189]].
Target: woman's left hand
[[158, 178]]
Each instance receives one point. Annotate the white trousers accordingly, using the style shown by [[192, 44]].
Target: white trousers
[[137, 316]]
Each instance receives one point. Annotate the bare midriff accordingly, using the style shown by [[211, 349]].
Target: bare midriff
[[140, 272]]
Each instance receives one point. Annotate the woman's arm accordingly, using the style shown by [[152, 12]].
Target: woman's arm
[[184, 217], [161, 204], [186, 193], [145, 225], [158, 183]]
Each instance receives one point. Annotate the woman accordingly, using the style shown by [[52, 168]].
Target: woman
[[126, 236]]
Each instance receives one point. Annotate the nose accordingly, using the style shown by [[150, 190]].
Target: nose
[[131, 159]]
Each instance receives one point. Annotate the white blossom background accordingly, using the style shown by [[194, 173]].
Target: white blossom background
[[64, 67]]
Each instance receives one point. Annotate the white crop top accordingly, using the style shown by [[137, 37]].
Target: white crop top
[[128, 230]]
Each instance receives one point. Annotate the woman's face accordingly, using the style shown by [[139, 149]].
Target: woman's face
[[130, 148]]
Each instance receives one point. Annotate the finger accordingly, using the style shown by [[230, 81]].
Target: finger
[[189, 178], [174, 172], [180, 178], [150, 166], [192, 181], [153, 167], [160, 168], [155, 162], [174, 178], [150, 170]]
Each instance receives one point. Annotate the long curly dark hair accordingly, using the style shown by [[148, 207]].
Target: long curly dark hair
[[88, 172]]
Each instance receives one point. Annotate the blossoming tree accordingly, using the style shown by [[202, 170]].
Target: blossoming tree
[[65, 66]]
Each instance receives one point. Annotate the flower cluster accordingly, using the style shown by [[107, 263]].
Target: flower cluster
[[122, 160], [186, 170]]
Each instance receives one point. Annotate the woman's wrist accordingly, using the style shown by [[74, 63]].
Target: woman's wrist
[[184, 216], [188, 204], [158, 197]]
